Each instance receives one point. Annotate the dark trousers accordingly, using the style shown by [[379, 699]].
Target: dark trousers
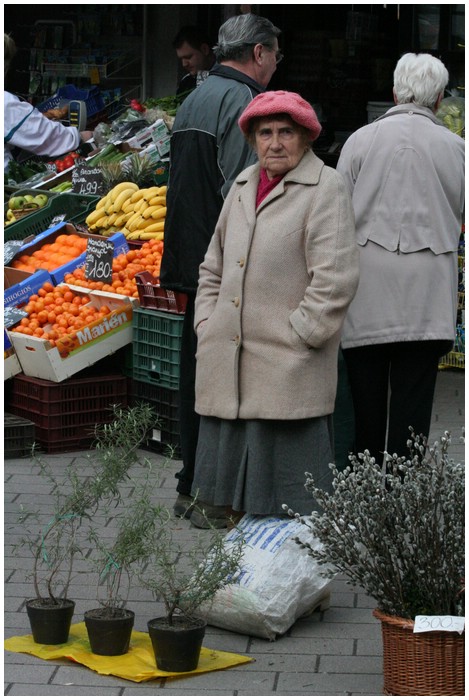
[[188, 418], [392, 387], [343, 418]]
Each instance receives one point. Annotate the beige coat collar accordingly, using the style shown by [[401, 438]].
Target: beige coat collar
[[307, 172]]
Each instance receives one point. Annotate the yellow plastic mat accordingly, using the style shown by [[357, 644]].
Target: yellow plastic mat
[[137, 665]]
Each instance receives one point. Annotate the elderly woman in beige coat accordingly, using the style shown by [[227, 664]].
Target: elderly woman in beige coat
[[274, 287]]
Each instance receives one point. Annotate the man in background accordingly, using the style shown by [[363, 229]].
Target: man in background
[[208, 150], [196, 55]]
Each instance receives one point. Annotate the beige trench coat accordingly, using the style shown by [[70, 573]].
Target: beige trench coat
[[274, 288]]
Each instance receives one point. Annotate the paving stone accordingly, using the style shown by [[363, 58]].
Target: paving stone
[[333, 653]]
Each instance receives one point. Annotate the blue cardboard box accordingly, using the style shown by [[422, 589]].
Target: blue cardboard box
[[18, 286], [120, 246]]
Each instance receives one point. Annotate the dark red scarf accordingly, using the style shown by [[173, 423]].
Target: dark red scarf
[[265, 186]]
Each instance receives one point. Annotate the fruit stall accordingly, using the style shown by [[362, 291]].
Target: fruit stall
[[87, 324], [84, 313]]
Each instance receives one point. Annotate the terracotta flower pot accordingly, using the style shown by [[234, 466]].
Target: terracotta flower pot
[[177, 646], [50, 623], [109, 634], [427, 663]]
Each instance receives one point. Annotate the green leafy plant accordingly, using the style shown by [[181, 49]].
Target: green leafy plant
[[55, 539], [397, 532], [184, 579], [137, 525]]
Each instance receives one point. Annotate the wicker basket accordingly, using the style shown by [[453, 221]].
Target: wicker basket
[[428, 663]]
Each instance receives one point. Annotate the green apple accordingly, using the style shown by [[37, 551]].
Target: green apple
[[41, 200], [29, 198], [16, 202]]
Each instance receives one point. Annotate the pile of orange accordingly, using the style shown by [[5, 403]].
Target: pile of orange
[[55, 312], [50, 256], [124, 268]]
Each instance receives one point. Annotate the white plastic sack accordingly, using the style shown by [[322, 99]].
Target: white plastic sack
[[279, 582]]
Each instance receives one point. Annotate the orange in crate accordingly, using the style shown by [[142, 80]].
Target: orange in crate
[[50, 256], [125, 267]]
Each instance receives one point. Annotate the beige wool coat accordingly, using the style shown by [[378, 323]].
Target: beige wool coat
[[273, 291]]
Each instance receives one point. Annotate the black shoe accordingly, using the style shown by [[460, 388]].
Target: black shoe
[[183, 506], [204, 516]]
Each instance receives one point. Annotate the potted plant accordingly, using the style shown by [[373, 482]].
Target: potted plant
[[398, 532], [184, 579], [54, 538], [117, 562]]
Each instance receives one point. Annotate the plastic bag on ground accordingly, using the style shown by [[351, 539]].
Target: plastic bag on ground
[[279, 582]]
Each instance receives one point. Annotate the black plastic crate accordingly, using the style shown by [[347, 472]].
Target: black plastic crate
[[65, 414], [19, 436], [165, 436]]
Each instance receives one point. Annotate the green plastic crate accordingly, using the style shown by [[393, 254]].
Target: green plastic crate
[[156, 347], [19, 193], [76, 208]]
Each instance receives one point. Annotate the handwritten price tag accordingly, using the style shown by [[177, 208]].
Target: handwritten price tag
[[438, 623], [98, 262], [12, 316], [87, 180]]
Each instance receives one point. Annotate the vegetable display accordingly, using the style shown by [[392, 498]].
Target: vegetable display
[[169, 104], [66, 162], [452, 113], [17, 173]]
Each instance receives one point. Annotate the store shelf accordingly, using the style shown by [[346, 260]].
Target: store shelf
[[84, 69], [85, 54]]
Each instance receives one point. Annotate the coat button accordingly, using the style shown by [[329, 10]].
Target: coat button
[[241, 262], [236, 339], [236, 301]]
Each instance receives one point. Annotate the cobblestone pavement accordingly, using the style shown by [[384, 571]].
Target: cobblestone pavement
[[333, 653]]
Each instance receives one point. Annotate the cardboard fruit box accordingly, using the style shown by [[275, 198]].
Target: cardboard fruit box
[[72, 353], [11, 366], [19, 285]]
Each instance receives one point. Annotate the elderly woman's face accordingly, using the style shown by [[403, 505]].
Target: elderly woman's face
[[279, 144]]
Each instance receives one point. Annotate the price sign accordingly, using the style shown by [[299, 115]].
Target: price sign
[[438, 623], [58, 218], [10, 248], [12, 316], [87, 179], [98, 261]]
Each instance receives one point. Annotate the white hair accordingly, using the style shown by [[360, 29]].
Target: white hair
[[419, 78]]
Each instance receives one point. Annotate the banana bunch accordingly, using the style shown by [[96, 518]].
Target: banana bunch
[[137, 213]]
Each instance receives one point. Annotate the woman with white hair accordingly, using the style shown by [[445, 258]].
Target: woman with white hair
[[405, 172]]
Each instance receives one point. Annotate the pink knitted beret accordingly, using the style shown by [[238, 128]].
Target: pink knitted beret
[[281, 102]]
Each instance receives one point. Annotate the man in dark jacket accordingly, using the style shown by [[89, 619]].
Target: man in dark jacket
[[194, 50], [208, 151]]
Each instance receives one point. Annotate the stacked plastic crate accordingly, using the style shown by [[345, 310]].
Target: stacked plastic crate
[[156, 349], [64, 414]]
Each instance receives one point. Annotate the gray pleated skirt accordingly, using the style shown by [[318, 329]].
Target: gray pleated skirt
[[255, 466]]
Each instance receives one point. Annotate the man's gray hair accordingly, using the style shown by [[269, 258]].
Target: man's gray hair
[[239, 34], [419, 78]]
